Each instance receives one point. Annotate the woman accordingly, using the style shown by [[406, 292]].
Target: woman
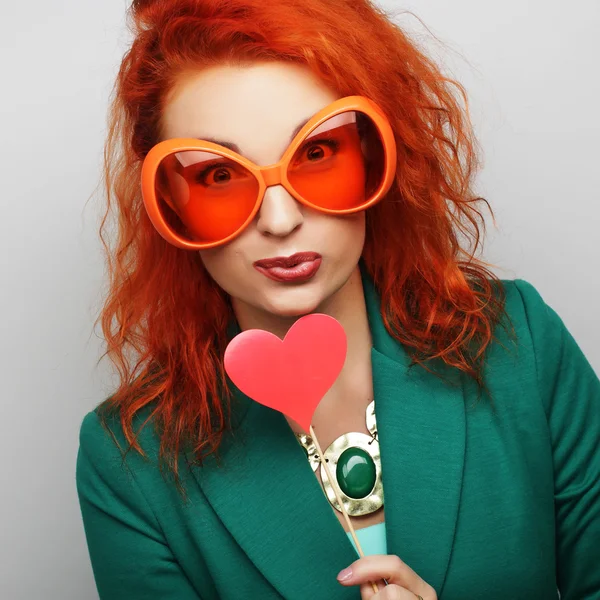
[[484, 412]]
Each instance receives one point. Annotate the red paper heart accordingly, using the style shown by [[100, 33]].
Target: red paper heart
[[292, 375]]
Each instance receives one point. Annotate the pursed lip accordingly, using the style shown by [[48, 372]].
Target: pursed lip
[[287, 261]]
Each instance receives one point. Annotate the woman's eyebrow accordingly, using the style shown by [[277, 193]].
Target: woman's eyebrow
[[236, 148]]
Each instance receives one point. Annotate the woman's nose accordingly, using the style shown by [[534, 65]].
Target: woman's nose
[[280, 213]]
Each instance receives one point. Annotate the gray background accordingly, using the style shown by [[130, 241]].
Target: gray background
[[530, 68]]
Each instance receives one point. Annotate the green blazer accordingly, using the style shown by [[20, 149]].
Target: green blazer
[[498, 504]]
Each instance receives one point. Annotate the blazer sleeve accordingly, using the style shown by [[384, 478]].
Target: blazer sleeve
[[570, 392], [130, 557]]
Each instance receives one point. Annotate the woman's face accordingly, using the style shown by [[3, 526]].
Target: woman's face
[[258, 108]]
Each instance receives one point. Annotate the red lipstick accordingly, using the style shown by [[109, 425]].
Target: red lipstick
[[301, 266]]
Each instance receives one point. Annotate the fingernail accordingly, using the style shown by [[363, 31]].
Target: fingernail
[[345, 574]]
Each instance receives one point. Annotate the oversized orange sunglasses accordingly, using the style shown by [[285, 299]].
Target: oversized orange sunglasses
[[199, 194]]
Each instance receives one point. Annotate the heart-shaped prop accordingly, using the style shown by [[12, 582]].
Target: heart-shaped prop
[[290, 375]]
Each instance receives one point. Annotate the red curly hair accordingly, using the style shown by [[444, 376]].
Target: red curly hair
[[165, 320]]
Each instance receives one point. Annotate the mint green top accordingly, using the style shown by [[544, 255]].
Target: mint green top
[[371, 539], [482, 500]]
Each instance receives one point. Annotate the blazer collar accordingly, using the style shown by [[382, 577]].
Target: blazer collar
[[268, 498]]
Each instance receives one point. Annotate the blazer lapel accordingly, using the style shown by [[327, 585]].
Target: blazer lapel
[[422, 433], [268, 498]]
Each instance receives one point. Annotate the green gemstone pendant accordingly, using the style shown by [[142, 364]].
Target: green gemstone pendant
[[355, 472], [353, 458]]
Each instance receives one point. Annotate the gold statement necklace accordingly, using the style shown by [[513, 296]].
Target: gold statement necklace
[[354, 460]]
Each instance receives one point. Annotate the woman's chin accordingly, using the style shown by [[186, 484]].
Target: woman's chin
[[290, 307]]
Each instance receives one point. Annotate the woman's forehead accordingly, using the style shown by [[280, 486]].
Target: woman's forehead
[[255, 109]]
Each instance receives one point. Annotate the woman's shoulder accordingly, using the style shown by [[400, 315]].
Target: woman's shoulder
[[547, 345], [523, 300], [533, 318], [533, 322], [102, 439]]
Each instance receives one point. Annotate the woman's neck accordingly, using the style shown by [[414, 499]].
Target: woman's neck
[[348, 306]]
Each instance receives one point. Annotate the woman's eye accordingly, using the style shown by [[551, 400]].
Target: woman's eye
[[218, 174], [319, 149], [315, 153]]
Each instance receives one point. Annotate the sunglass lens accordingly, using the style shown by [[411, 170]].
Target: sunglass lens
[[340, 164], [205, 197]]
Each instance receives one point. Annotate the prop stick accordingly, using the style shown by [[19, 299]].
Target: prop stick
[[292, 375], [334, 485]]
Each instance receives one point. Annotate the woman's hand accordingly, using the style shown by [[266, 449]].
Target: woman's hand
[[404, 583]]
